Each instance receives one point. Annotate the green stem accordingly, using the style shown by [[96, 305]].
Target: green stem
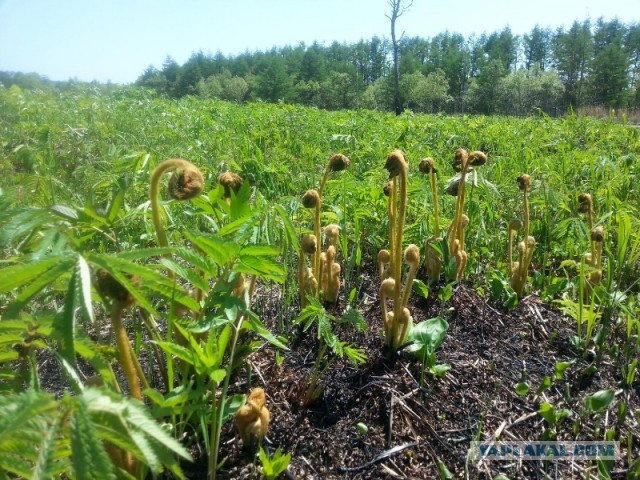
[[216, 424], [436, 214]]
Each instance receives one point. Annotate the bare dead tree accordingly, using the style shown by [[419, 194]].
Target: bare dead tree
[[398, 7]]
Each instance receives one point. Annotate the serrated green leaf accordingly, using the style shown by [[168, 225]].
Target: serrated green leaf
[[220, 250], [44, 279], [184, 354], [44, 466], [22, 222], [143, 253], [65, 212], [260, 251], [198, 260], [113, 266], [20, 275], [261, 266], [90, 461], [188, 274], [16, 411], [289, 228]]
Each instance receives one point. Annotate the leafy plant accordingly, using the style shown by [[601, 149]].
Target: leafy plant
[[315, 314], [273, 466], [425, 338]]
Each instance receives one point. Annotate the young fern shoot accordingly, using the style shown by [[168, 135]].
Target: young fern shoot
[[596, 240], [185, 183], [325, 271], [463, 163], [433, 258], [397, 320], [518, 271]]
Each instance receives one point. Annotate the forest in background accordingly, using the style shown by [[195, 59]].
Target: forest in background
[[590, 65]]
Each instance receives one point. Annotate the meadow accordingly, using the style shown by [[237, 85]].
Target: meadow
[[134, 328]]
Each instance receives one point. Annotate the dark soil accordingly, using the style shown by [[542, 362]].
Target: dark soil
[[413, 426]]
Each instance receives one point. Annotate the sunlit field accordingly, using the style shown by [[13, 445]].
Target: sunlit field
[[143, 305]]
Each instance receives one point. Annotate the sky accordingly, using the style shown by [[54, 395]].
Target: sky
[[116, 40]]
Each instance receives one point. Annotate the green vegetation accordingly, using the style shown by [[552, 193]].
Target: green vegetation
[[81, 244], [588, 65]]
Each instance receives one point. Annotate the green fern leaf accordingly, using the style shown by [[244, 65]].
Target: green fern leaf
[[90, 461], [43, 469], [20, 275]]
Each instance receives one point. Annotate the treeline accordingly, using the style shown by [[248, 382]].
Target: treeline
[[590, 64]]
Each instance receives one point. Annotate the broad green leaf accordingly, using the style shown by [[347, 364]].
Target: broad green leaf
[[544, 385], [445, 473], [599, 400], [548, 413], [427, 336], [562, 367], [232, 405], [421, 288], [522, 388]]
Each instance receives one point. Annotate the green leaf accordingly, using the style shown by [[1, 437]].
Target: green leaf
[[253, 324], [22, 222], [599, 400], [421, 288], [544, 385], [232, 404], [43, 469], [188, 274], [90, 461], [522, 388], [20, 275], [440, 369], [427, 336], [289, 228], [548, 413], [220, 250], [261, 266], [444, 472], [561, 367]]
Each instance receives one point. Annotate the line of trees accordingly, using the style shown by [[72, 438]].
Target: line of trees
[[589, 64]]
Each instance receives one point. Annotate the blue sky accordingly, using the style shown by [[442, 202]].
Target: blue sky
[[115, 40]]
